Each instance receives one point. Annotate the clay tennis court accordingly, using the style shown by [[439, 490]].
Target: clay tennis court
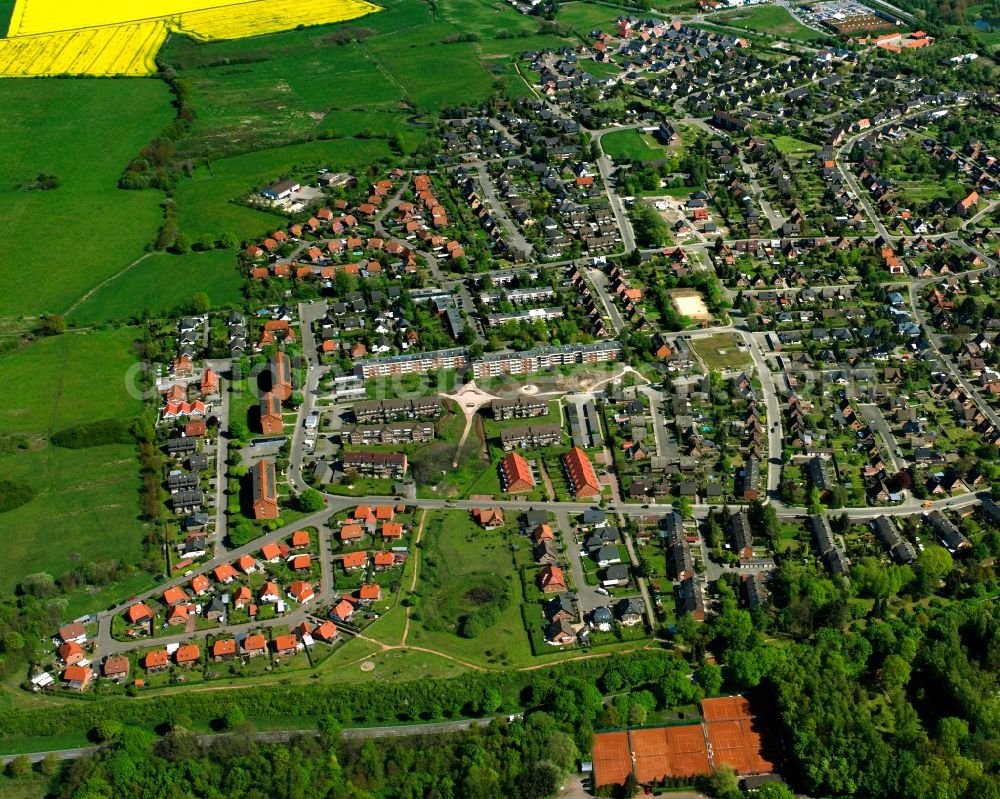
[[734, 734], [725, 708], [612, 758], [737, 744], [731, 735]]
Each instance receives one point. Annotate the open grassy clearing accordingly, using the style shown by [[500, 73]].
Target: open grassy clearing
[[466, 572], [88, 228], [254, 93], [163, 283], [633, 145], [788, 145], [721, 351], [772, 20], [204, 201], [86, 509], [583, 18], [393, 666], [67, 380]]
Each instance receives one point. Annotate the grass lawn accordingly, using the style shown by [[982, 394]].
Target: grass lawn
[[789, 144], [465, 571], [720, 351], [393, 666], [66, 380], [204, 201], [772, 20], [586, 17], [163, 283], [86, 509], [287, 87], [632, 145], [87, 229]]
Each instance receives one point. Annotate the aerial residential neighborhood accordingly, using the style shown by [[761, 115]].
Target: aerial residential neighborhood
[[517, 399]]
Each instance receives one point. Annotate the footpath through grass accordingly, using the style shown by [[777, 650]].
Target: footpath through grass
[[86, 229]]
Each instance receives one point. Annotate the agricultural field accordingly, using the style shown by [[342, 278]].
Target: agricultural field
[[89, 497], [85, 509], [50, 38], [161, 284], [68, 380], [368, 77], [88, 229]]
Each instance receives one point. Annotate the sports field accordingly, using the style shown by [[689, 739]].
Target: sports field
[[50, 37]]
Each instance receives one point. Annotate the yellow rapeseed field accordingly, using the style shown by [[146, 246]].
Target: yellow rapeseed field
[[122, 37]]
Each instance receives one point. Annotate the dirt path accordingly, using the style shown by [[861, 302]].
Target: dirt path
[[469, 399], [416, 571], [105, 282], [546, 481]]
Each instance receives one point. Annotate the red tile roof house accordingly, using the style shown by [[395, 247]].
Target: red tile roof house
[[137, 613], [265, 490], [580, 474], [200, 584], [515, 474], [354, 560], [187, 655], [301, 591], [552, 580], [243, 597], [351, 532], [270, 592], [116, 668], [224, 650], [71, 653], [247, 564], [343, 610], [73, 632], [225, 573], [392, 530], [285, 645], [254, 645], [370, 592], [271, 553], [326, 632], [156, 661], [488, 518], [78, 677], [179, 614], [384, 560], [300, 538], [300, 563], [174, 594]]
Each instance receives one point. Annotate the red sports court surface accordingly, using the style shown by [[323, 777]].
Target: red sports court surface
[[730, 735], [612, 758], [670, 752], [734, 733], [737, 744], [725, 708]]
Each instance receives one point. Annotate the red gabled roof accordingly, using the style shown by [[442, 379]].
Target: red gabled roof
[[187, 653], [222, 648], [156, 659]]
